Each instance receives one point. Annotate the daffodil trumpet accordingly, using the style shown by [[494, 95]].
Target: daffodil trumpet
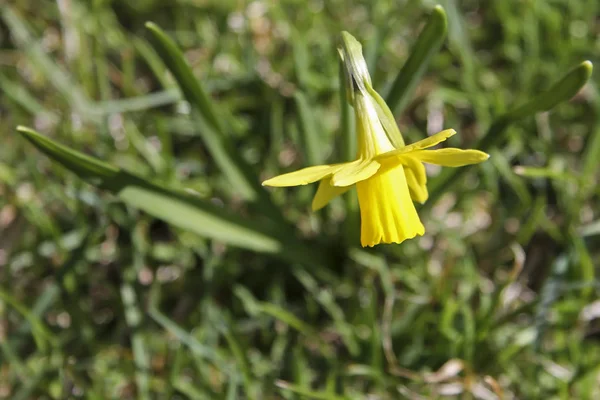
[[388, 175]]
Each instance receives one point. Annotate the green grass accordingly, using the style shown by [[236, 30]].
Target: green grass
[[168, 272]]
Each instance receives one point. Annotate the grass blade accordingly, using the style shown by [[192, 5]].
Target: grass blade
[[429, 42], [307, 393], [561, 91], [188, 83], [175, 207], [39, 57], [313, 149], [213, 133], [239, 173]]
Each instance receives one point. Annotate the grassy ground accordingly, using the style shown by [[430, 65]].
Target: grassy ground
[[100, 300]]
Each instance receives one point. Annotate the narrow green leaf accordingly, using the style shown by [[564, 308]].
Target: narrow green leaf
[[254, 307], [592, 149], [545, 172], [237, 170], [13, 360], [134, 320], [585, 263], [147, 52], [41, 334], [301, 59], [561, 91], [241, 358], [313, 148], [348, 146], [39, 57], [84, 166], [21, 96], [429, 42], [138, 103], [196, 347], [52, 291], [517, 184], [182, 72], [326, 299], [533, 220], [213, 130], [30, 386], [188, 388], [348, 131], [308, 393], [175, 207]]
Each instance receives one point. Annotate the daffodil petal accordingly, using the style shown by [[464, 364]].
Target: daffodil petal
[[418, 190], [421, 144], [326, 192], [387, 118], [450, 157], [430, 141], [387, 212], [416, 166], [303, 176], [416, 176], [355, 171]]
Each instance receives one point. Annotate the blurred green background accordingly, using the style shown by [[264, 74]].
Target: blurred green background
[[100, 300]]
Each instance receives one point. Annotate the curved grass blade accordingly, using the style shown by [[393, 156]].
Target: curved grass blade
[[239, 173], [56, 75], [561, 91], [429, 42], [41, 334], [307, 392], [175, 207], [348, 146], [254, 307], [308, 126], [190, 86], [213, 133]]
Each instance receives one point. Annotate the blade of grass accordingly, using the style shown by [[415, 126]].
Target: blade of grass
[[241, 359], [138, 103], [313, 148], [55, 74], [21, 96], [307, 393], [50, 294], [188, 340], [592, 149], [429, 42], [189, 85], [240, 174], [175, 207], [561, 91], [348, 145], [41, 334], [133, 317], [327, 301], [254, 306], [134, 321]]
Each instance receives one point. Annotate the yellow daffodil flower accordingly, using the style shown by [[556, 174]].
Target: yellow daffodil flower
[[388, 175]]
